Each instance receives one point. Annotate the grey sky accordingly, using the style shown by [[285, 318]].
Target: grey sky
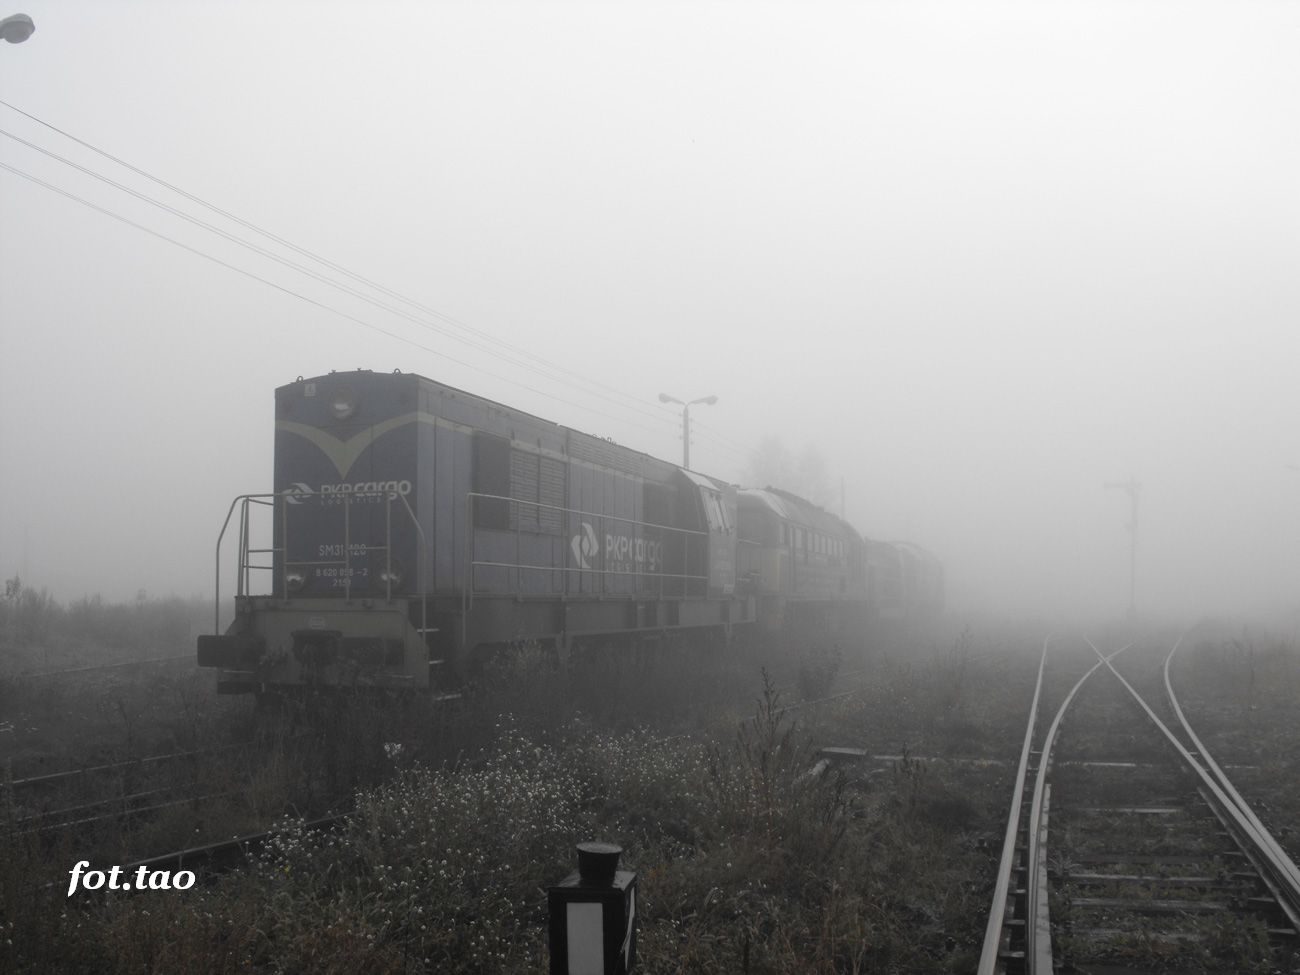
[[985, 257]]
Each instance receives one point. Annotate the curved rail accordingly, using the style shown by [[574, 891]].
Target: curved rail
[[1275, 867], [1038, 947], [1038, 929], [1284, 863]]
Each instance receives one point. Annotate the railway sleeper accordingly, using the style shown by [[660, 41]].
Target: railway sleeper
[[1148, 810], [1158, 859], [1141, 906], [1098, 879], [1099, 936]]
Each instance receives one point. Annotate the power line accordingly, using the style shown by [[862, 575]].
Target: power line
[[257, 249], [737, 456], [512, 354], [733, 445], [289, 291], [485, 336]]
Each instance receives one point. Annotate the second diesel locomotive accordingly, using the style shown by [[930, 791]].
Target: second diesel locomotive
[[417, 527]]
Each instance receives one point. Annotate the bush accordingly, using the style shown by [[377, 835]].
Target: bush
[[27, 617]]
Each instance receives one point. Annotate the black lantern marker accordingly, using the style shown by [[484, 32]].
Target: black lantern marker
[[593, 915]]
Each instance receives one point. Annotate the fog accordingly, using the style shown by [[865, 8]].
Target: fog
[[981, 260]]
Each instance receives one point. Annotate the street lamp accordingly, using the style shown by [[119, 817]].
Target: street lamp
[[686, 422], [16, 28]]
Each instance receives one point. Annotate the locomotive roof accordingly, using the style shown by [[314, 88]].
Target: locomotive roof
[[794, 508], [370, 376]]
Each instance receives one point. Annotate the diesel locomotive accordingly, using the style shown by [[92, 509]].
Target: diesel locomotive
[[416, 528]]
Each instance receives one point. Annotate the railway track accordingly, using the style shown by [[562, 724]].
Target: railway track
[[1155, 861], [100, 668], [225, 854], [116, 792], [148, 761]]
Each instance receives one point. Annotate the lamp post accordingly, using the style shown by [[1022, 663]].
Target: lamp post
[[16, 28], [686, 421]]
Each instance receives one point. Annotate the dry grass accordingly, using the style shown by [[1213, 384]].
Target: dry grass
[[747, 864]]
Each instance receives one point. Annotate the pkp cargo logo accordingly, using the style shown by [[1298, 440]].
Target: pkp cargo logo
[[370, 491], [585, 545]]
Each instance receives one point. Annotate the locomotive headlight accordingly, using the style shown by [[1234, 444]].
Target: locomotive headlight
[[343, 405], [294, 580], [391, 577]]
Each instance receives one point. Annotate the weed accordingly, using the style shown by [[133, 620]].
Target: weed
[[817, 671]]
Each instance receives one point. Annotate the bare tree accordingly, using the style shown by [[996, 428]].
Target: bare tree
[[772, 465]]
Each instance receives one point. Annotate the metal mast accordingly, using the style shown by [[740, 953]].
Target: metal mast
[[1133, 489]]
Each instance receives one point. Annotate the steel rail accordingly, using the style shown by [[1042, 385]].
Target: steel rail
[[49, 778], [1266, 855], [1038, 928], [130, 813], [121, 804], [97, 667], [993, 931], [1038, 947], [1254, 839], [1275, 852]]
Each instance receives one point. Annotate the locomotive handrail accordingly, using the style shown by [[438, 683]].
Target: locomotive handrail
[[486, 564], [472, 563], [270, 500], [221, 535], [587, 514]]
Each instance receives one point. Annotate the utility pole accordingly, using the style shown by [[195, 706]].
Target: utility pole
[[686, 422], [1132, 488]]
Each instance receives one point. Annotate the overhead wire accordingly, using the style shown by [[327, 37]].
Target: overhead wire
[[289, 291], [723, 440], [255, 248], [737, 456], [515, 351], [486, 342]]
